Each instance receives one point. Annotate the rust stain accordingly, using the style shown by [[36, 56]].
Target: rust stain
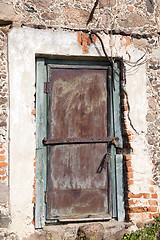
[[80, 38], [130, 8], [78, 109], [84, 43], [77, 202], [125, 41], [33, 112]]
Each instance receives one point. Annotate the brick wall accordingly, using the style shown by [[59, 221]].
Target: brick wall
[[144, 205]]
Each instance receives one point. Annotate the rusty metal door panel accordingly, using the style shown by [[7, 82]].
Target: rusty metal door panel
[[75, 203], [77, 106]]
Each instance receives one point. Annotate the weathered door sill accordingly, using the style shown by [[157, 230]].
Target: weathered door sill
[[81, 218]]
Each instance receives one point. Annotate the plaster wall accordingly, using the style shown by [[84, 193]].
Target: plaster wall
[[24, 45]]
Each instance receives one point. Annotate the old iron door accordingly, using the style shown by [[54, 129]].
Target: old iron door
[[77, 108]]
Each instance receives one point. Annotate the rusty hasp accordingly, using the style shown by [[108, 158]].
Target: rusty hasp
[[59, 141]]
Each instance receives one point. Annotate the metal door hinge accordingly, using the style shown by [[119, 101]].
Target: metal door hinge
[[45, 197]]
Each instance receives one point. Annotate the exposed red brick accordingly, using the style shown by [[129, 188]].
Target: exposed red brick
[[130, 182], [84, 42], [127, 156], [1, 145], [146, 195], [130, 175], [131, 195], [129, 169], [2, 158], [138, 209], [33, 222], [153, 215], [153, 202], [3, 178], [154, 195], [94, 38], [130, 138], [2, 172], [34, 184], [33, 112], [3, 164], [132, 202], [128, 164], [33, 200], [2, 152], [80, 38], [152, 209]]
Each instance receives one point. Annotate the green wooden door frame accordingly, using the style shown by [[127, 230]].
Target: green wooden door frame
[[115, 164]]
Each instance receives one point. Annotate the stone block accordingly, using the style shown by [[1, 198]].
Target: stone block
[[40, 3], [77, 16], [107, 3], [133, 20], [150, 6], [106, 21], [152, 102], [39, 235], [140, 43], [156, 54], [7, 14], [50, 15], [91, 231], [117, 235], [150, 117], [4, 221]]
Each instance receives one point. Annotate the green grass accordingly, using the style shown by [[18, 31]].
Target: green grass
[[150, 232]]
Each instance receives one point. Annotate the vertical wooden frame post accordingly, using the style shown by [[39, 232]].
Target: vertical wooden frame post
[[115, 164], [41, 150], [119, 144], [111, 163]]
